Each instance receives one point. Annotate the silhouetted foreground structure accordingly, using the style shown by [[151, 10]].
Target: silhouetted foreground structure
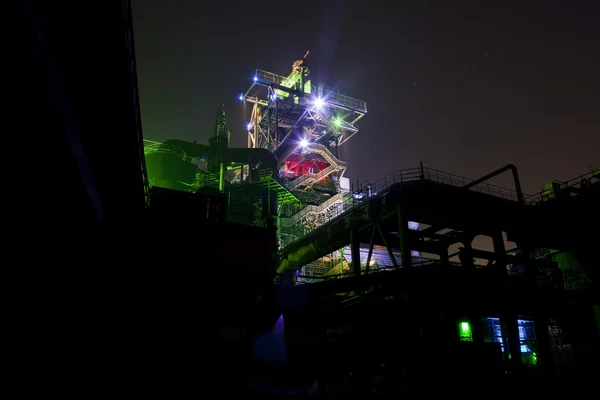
[[523, 311], [166, 288], [125, 300]]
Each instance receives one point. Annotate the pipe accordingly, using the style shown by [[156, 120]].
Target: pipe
[[256, 155], [221, 177], [248, 156], [191, 150], [515, 175]]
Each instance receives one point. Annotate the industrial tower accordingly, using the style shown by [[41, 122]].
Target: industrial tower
[[304, 124]]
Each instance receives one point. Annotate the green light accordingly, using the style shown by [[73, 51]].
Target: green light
[[307, 87], [221, 178], [465, 333]]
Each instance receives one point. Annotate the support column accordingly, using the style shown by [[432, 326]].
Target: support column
[[388, 248], [355, 250], [514, 343], [371, 243], [465, 252], [466, 256], [526, 260], [443, 253], [500, 250], [543, 352], [403, 234], [477, 328]]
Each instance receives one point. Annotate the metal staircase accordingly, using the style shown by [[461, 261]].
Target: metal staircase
[[335, 165], [321, 208]]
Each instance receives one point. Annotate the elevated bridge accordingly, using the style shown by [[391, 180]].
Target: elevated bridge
[[562, 218], [379, 213]]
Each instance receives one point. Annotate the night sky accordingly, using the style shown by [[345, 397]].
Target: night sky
[[465, 88]]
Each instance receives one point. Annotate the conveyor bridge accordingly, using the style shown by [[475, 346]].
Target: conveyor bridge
[[380, 211]]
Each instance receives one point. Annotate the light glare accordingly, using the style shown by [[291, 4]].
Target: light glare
[[319, 102]]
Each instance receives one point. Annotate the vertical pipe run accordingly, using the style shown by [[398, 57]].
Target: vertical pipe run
[[276, 123], [269, 126], [221, 177]]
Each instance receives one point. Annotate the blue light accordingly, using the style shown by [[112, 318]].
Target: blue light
[[255, 78], [413, 226], [241, 97], [249, 126]]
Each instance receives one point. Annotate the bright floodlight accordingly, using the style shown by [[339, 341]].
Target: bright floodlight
[[241, 97], [319, 102], [249, 126], [255, 78], [304, 143]]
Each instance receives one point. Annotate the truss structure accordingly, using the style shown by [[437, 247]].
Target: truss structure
[[281, 103], [303, 124]]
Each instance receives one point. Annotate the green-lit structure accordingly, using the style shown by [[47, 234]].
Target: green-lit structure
[[248, 177]]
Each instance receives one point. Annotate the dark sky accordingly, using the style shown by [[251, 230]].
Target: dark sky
[[466, 88]]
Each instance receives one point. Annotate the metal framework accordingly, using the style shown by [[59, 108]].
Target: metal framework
[[287, 100], [294, 112], [304, 124]]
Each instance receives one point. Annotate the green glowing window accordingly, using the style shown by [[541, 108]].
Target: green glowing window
[[464, 331]]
